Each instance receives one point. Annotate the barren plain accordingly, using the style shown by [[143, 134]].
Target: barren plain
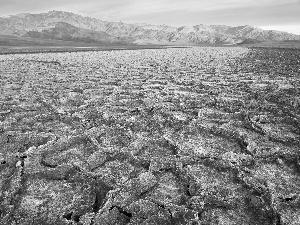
[[202, 135]]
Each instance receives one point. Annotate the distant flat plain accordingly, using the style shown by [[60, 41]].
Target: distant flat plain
[[12, 44]]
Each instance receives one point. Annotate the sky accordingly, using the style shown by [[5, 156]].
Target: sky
[[283, 15]]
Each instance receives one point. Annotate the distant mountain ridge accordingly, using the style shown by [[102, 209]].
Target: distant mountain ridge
[[68, 26], [67, 32]]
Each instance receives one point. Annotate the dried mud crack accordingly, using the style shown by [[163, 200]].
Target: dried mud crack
[[204, 135]]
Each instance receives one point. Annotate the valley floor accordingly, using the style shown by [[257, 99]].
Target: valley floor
[[202, 135]]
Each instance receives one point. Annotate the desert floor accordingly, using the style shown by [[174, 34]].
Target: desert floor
[[202, 135]]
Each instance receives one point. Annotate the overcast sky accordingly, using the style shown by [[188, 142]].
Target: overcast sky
[[268, 14]]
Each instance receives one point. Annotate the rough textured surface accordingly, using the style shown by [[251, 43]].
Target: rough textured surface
[[176, 136]]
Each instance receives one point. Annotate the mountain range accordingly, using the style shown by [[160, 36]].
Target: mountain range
[[66, 26]]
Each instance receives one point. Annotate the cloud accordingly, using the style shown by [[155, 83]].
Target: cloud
[[290, 28], [17, 6]]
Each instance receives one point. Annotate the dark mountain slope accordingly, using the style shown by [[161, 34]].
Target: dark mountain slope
[[67, 32]]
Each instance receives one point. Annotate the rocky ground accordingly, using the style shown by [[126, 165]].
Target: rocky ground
[[171, 136]]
